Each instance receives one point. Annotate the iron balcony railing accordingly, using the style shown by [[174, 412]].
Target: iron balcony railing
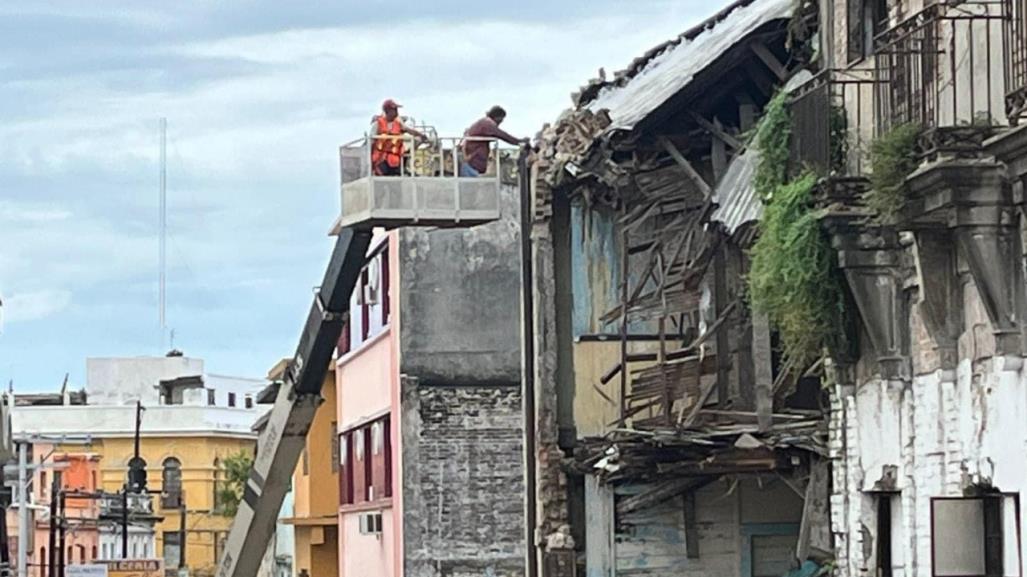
[[1016, 60], [943, 67], [833, 123]]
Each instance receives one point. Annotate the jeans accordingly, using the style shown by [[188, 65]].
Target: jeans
[[468, 170], [383, 169]]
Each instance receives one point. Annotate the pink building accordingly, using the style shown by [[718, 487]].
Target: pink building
[[429, 409]]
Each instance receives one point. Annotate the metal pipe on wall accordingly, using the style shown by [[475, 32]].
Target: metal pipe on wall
[[528, 365]]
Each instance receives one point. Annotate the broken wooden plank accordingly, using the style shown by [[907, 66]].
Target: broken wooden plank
[[687, 166], [604, 395], [656, 495], [718, 131], [691, 527], [767, 57]]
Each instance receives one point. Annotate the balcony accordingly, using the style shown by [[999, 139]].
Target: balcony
[[944, 69], [112, 505], [428, 191], [833, 123]]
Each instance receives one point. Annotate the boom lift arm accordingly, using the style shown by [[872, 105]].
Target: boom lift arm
[[282, 440]]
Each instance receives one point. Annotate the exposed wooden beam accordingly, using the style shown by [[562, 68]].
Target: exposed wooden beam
[[687, 166], [691, 527], [714, 129], [763, 374], [746, 111], [659, 493], [763, 53]]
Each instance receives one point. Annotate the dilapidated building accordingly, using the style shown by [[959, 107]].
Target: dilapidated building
[[669, 442], [929, 409], [672, 436]]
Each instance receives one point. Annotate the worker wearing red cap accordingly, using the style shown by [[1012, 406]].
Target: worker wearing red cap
[[387, 153]]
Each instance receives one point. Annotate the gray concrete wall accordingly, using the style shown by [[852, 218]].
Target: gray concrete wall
[[463, 491], [460, 301]]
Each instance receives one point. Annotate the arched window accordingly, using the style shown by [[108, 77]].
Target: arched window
[[137, 474], [171, 483]]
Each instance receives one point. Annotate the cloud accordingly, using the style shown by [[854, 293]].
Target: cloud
[[32, 306], [258, 99]]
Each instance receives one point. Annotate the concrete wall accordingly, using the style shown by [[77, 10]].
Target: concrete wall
[[462, 481], [114, 381], [363, 555], [316, 489], [936, 434], [119, 421], [317, 550], [459, 299], [365, 380]]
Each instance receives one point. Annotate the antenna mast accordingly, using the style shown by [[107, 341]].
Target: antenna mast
[[163, 227]]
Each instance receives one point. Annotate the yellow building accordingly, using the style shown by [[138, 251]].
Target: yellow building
[[316, 489], [191, 422], [191, 464]]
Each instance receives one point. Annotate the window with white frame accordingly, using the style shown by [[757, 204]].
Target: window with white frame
[[371, 523]]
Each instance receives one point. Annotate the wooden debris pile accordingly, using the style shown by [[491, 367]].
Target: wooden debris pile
[[718, 443]]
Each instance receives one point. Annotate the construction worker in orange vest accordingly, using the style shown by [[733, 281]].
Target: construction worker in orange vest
[[387, 153]]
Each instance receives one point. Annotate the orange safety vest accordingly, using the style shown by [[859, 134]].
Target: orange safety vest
[[388, 149]]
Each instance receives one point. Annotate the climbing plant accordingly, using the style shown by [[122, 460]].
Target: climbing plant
[[773, 134], [892, 158], [793, 277]]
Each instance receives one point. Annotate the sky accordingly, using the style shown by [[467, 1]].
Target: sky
[[258, 95]]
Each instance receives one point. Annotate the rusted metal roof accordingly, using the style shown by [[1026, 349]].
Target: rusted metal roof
[[648, 84]]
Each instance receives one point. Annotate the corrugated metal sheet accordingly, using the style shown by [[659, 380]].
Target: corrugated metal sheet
[[672, 70], [735, 195]]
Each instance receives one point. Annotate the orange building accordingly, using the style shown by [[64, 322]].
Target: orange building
[[73, 473], [316, 488]]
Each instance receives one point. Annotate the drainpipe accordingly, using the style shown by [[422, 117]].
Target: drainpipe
[[528, 365]]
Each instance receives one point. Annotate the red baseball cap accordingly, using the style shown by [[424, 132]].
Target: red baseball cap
[[390, 104]]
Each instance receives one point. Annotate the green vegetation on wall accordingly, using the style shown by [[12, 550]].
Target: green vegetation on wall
[[892, 159], [235, 470], [773, 134], [793, 277]]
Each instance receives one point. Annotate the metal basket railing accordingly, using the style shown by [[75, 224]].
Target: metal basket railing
[[428, 187]]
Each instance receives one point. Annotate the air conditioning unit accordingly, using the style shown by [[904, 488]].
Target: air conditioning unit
[[371, 523]]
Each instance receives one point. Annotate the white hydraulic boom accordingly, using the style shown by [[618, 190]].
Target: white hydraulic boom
[[282, 440]]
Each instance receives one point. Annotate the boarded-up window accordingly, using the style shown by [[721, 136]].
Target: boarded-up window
[[976, 536]]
